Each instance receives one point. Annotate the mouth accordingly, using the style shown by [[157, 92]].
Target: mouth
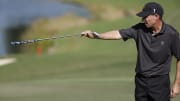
[[145, 23]]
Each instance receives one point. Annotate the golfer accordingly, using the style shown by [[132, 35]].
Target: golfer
[[156, 43]]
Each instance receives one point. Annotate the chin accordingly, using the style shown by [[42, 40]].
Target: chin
[[148, 26]]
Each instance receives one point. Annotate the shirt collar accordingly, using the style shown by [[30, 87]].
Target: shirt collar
[[162, 29]]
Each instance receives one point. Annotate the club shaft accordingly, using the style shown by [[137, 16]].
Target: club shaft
[[42, 39]]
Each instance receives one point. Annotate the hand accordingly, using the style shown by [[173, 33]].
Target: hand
[[175, 90], [88, 33]]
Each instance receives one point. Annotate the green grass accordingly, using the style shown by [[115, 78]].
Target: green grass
[[79, 75], [124, 3], [68, 90], [82, 69], [171, 8]]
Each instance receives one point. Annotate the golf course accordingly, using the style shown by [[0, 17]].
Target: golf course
[[78, 68]]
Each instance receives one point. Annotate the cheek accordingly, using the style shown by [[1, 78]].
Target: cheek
[[148, 19], [151, 21]]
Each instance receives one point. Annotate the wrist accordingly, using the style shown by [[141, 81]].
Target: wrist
[[96, 35]]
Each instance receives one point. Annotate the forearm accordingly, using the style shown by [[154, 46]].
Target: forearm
[[177, 78], [111, 35]]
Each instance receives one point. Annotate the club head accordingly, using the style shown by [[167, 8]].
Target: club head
[[15, 43]]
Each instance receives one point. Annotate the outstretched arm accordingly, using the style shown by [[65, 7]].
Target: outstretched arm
[[111, 35], [175, 90]]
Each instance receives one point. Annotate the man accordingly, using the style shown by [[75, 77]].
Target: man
[[156, 43]]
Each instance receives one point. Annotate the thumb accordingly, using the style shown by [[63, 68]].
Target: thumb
[[83, 34]]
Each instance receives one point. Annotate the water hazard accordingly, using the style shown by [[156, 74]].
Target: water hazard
[[22, 12]]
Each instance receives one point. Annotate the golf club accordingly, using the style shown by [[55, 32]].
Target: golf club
[[41, 39]]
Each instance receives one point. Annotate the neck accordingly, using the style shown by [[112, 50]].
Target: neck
[[157, 26]]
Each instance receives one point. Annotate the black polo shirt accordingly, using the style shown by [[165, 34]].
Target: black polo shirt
[[154, 51]]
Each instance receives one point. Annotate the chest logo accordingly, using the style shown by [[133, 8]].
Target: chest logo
[[162, 43]]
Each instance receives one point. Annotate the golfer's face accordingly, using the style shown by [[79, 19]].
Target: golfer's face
[[149, 20]]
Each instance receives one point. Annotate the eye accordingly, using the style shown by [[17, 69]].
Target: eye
[[144, 17]]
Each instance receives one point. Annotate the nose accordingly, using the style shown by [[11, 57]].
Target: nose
[[144, 19]]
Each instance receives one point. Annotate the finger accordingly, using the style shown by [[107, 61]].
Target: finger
[[83, 34], [171, 93]]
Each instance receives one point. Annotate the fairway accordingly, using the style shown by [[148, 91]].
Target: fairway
[[110, 89], [87, 74], [98, 89]]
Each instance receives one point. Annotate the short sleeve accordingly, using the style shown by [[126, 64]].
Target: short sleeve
[[129, 32], [176, 46]]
